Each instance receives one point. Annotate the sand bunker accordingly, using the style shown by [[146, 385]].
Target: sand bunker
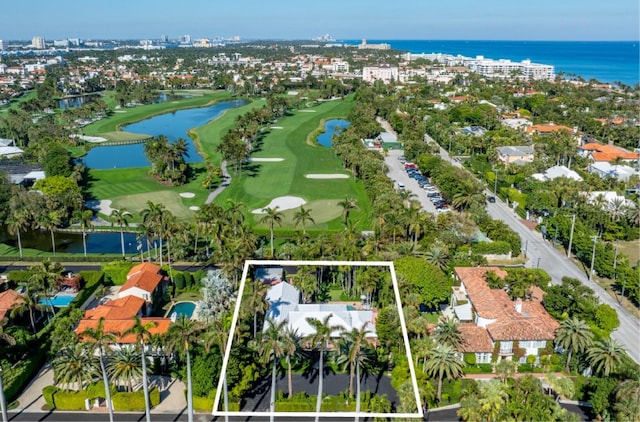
[[327, 176], [265, 160], [307, 111], [187, 194], [283, 203], [104, 206], [194, 208], [277, 127]]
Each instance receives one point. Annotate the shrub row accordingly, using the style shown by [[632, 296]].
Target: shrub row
[[499, 247], [16, 378], [75, 400]]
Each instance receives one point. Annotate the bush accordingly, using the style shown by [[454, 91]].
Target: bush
[[134, 401], [470, 358], [178, 279], [47, 394], [19, 276], [204, 404], [18, 376], [117, 271], [70, 400], [499, 247]]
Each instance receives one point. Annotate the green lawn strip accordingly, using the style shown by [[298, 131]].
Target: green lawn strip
[[208, 137], [263, 181], [131, 188], [124, 116], [631, 249], [14, 103]]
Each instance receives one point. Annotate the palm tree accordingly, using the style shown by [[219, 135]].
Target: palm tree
[[627, 404], [140, 329], [120, 217], [447, 332], [438, 256], [124, 366], [4, 336], [290, 344], [154, 217], [271, 348], [322, 339], [605, 356], [84, 218], [348, 205], [443, 362], [301, 217], [49, 220], [75, 364], [28, 302], [97, 338], [493, 397], [573, 335], [17, 222], [258, 303], [272, 216], [354, 343], [181, 334]]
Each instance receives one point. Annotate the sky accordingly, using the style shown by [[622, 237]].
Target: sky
[[582, 20]]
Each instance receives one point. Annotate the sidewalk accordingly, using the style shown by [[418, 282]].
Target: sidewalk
[[31, 399]]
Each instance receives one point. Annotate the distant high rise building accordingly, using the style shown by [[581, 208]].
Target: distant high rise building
[[3, 45], [38, 43], [164, 38], [185, 39]]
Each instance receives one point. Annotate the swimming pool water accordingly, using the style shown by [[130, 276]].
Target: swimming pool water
[[182, 308], [59, 301]]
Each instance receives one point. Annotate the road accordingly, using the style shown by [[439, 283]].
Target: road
[[542, 254]]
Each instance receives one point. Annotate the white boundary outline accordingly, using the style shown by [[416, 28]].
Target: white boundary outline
[[236, 312]]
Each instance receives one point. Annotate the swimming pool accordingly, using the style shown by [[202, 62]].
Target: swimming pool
[[59, 301], [181, 308]]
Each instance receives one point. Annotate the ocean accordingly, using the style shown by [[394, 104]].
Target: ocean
[[605, 61]]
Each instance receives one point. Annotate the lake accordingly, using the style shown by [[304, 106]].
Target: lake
[[331, 127], [173, 125]]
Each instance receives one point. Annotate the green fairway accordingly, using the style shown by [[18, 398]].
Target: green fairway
[[131, 188], [261, 182]]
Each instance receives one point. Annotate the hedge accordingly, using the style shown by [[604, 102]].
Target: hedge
[[482, 368], [47, 394], [205, 404], [134, 401], [117, 271], [499, 247], [18, 376], [19, 276]]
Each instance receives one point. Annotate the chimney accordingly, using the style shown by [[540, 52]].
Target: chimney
[[518, 305]]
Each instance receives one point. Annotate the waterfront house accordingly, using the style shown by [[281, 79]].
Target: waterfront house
[[492, 323]]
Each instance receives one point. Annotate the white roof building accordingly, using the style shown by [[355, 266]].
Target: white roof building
[[555, 172], [605, 170], [284, 305]]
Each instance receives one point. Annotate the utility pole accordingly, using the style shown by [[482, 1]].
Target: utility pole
[[573, 224], [593, 255], [615, 261], [3, 401]]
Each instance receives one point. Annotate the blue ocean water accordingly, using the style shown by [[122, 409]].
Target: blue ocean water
[[605, 61]]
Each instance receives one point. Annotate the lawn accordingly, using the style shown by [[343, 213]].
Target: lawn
[[631, 250], [261, 182], [131, 188]]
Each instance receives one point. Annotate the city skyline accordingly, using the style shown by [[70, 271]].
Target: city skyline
[[412, 19]]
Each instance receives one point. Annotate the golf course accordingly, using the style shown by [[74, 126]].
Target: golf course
[[287, 168]]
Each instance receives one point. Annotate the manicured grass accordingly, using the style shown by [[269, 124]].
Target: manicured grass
[[261, 182], [208, 137], [135, 114], [131, 188]]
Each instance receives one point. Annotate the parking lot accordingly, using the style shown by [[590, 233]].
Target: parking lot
[[404, 180]]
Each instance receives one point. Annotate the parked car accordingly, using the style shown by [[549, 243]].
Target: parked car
[[491, 199]]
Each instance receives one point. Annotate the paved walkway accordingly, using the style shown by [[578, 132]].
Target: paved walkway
[[226, 180]]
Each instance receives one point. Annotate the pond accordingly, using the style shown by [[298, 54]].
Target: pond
[[331, 127], [173, 125], [76, 101]]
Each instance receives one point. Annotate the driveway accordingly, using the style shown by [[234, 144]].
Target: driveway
[[397, 173]]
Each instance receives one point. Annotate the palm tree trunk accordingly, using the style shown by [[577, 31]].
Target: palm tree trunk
[[189, 390], [53, 242], [33, 322], [19, 243], [107, 392], [566, 368], [357, 390], [272, 241], [351, 373], [289, 377], [320, 374], [272, 403], [122, 241], [145, 386], [440, 389], [84, 242]]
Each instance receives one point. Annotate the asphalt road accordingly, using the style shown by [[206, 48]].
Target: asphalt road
[[542, 254]]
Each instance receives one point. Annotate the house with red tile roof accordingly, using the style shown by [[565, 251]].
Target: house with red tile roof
[[549, 128], [145, 281], [597, 152], [8, 299], [489, 317]]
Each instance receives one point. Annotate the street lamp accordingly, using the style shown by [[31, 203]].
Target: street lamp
[[573, 224], [593, 255]]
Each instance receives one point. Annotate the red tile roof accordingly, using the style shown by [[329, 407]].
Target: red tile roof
[[604, 152], [532, 322], [8, 299], [124, 308], [143, 276], [119, 326], [548, 128], [475, 339]]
